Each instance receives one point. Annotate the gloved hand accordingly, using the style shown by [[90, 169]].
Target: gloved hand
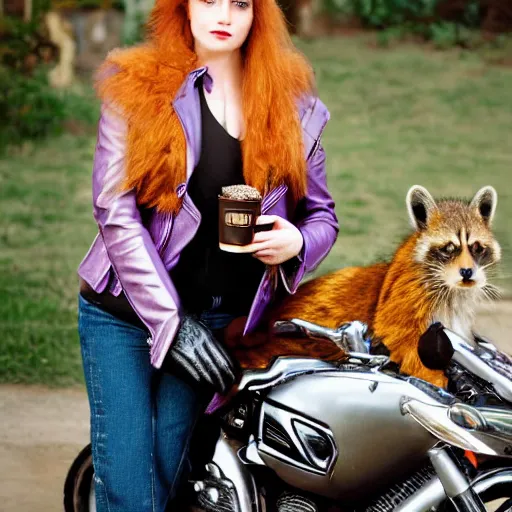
[[196, 355]]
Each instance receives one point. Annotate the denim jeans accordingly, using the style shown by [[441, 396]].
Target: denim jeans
[[142, 419]]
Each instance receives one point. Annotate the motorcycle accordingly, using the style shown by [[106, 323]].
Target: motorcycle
[[305, 435]]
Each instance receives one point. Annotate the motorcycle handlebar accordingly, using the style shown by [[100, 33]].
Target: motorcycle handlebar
[[439, 346], [490, 365], [349, 337], [493, 420]]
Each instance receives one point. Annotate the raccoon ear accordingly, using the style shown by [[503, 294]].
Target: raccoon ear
[[485, 201], [420, 205]]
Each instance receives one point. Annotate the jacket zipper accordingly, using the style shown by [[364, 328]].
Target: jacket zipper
[[273, 197], [168, 220], [180, 191], [258, 292]]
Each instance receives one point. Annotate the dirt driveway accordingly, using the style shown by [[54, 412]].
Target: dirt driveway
[[42, 430]]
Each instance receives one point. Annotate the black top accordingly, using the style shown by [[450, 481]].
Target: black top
[[203, 270]]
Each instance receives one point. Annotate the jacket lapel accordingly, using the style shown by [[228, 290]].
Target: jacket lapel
[[188, 109]]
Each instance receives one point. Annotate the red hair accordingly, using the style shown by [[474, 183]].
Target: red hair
[[276, 76]]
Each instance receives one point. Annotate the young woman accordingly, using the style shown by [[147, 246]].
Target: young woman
[[216, 96]]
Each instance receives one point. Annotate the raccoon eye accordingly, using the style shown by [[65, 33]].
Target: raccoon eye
[[477, 248], [448, 248]]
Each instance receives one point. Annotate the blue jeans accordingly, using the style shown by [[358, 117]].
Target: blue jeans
[[141, 418]]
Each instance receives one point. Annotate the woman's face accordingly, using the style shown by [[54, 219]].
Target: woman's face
[[220, 25]]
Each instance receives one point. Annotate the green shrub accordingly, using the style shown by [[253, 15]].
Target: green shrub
[[34, 110], [398, 19], [19, 41], [384, 13], [472, 16], [31, 107], [444, 34]]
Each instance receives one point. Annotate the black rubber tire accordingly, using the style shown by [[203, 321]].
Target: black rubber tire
[[506, 507], [77, 486], [502, 490]]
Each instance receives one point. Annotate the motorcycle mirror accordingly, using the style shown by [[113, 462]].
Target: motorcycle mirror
[[435, 348]]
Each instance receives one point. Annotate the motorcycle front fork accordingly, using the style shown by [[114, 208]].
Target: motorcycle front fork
[[455, 484]]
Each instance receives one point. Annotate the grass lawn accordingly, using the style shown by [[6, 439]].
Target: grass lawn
[[45, 228], [406, 116], [398, 117]]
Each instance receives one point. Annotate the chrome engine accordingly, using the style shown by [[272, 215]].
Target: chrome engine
[[323, 433], [350, 432]]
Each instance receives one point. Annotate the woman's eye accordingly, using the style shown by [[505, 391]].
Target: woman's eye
[[242, 5], [448, 248]]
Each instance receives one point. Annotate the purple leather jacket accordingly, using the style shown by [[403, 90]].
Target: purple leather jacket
[[140, 253]]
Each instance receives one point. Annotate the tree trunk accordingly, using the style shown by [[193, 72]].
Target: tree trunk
[[306, 18], [27, 11], [299, 14], [60, 32]]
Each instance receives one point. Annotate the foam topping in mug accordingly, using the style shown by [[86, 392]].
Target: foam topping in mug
[[241, 193]]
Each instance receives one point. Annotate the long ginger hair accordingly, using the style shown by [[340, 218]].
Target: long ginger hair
[[141, 79]]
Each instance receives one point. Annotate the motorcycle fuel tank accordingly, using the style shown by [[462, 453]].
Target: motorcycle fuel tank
[[342, 434]]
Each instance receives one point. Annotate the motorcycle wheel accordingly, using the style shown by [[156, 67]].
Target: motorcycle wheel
[[498, 506], [79, 495], [498, 490], [79, 485], [505, 507]]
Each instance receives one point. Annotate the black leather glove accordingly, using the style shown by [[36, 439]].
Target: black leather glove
[[197, 356]]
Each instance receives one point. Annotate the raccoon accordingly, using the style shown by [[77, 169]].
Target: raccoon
[[439, 273]]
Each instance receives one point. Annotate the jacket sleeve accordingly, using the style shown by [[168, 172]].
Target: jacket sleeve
[[131, 250], [317, 222]]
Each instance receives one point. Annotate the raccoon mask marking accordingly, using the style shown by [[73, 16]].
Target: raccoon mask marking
[[456, 252]]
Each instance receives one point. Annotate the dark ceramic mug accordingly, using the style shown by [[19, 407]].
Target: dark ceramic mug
[[237, 223]]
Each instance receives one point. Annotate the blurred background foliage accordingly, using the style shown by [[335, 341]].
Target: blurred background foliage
[[35, 110], [468, 23]]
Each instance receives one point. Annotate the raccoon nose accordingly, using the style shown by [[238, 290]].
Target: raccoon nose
[[466, 273]]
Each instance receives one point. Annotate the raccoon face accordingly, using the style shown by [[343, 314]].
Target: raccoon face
[[455, 245]]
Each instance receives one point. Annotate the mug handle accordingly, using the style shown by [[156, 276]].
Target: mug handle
[[263, 227]]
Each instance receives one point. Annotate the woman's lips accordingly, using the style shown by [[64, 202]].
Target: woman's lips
[[220, 34]]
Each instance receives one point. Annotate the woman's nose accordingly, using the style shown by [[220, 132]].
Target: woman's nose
[[225, 12]]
